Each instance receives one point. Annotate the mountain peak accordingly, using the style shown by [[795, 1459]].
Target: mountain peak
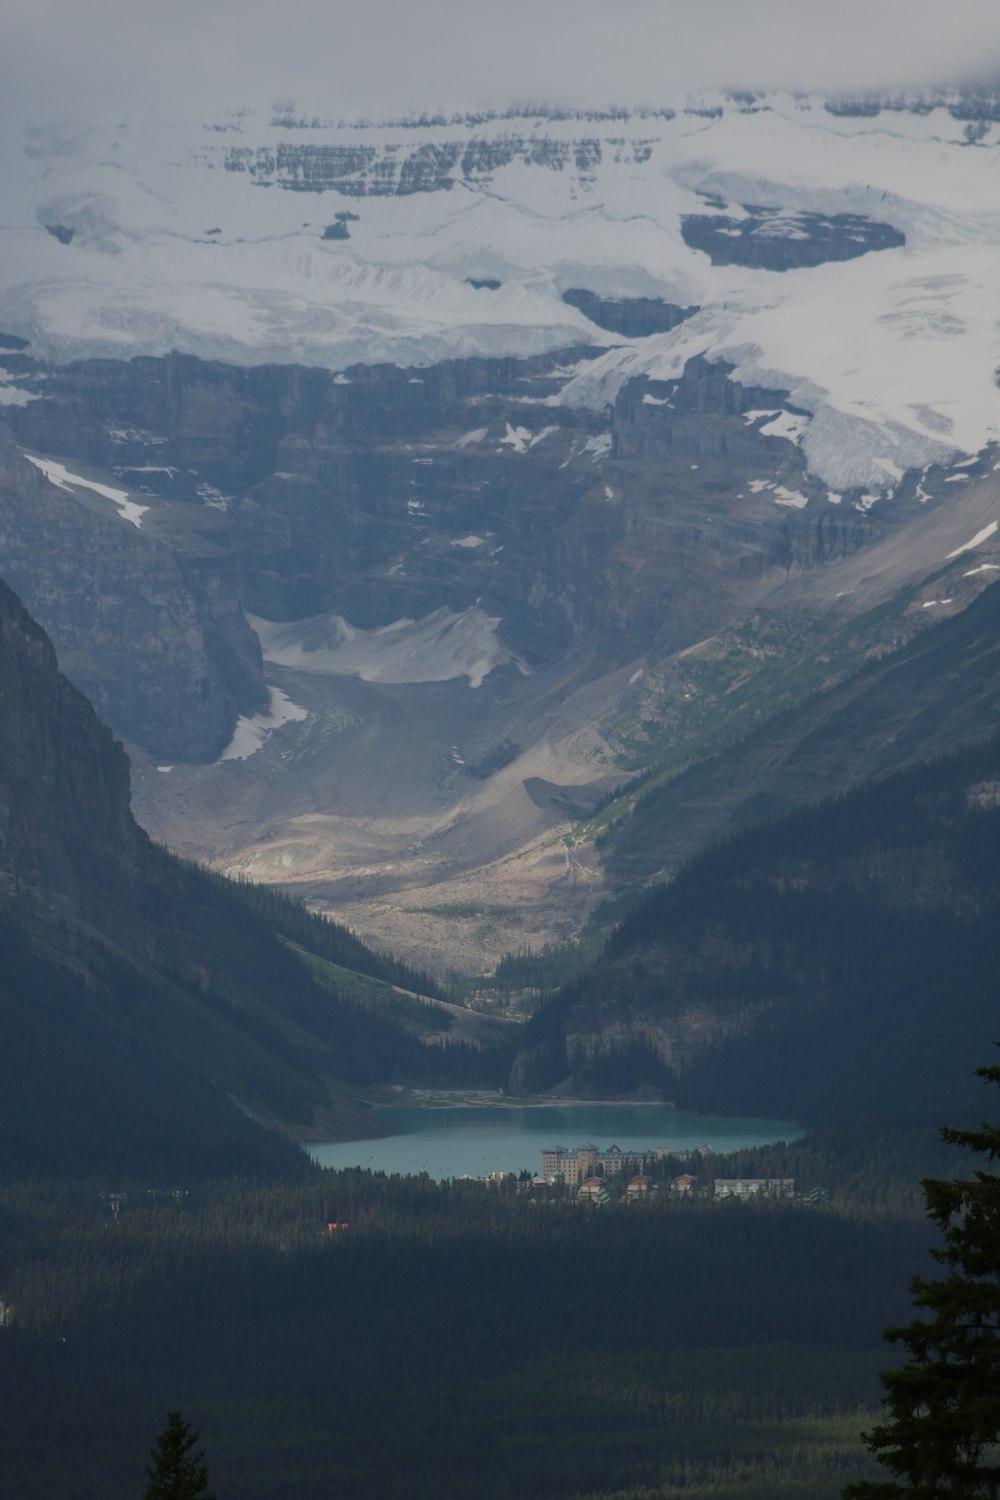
[[840, 249]]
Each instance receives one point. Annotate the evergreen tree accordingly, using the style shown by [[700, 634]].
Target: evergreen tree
[[942, 1435], [177, 1471]]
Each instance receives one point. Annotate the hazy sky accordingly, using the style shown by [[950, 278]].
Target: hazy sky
[[379, 57]]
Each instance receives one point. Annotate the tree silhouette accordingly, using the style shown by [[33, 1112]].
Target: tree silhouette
[[177, 1471], [943, 1430]]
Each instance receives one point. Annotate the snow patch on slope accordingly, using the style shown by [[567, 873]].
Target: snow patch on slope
[[784, 424], [253, 730], [977, 540], [61, 477], [439, 648], [11, 394], [520, 439]]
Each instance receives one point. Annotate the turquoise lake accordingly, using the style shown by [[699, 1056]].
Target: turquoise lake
[[472, 1141]]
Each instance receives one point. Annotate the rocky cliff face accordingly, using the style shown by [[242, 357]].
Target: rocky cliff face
[[383, 494], [632, 317], [379, 171], [147, 622], [69, 847], [772, 239], [716, 504], [554, 557]]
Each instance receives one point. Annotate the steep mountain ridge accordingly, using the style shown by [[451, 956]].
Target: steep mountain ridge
[[373, 496], [132, 977], [146, 617], [509, 596], [738, 733], [839, 963], [70, 850]]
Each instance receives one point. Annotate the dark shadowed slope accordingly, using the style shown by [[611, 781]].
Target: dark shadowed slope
[[840, 963], [153, 1012]]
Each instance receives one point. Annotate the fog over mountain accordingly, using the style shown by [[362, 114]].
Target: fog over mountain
[[390, 58]]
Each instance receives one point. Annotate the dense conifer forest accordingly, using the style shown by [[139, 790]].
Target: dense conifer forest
[[165, 1247], [463, 1339], [848, 952]]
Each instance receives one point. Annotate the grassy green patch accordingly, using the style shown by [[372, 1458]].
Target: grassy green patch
[[415, 1016], [766, 683]]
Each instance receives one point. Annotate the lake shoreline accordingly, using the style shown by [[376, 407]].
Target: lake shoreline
[[449, 1135], [404, 1098]]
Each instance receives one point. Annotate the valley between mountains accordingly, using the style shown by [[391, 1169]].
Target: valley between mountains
[[629, 494], [422, 754], [492, 606], [400, 492]]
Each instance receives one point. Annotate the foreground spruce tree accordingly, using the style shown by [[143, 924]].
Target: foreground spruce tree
[[942, 1436], [177, 1471]]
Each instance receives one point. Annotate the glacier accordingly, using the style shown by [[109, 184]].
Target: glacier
[[266, 237]]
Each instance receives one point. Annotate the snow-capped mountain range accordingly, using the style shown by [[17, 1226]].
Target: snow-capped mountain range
[[844, 253]]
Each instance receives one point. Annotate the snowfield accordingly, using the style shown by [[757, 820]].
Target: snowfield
[[213, 239], [60, 476], [439, 648], [252, 730]]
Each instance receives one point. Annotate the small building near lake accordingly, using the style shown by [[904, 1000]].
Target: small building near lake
[[754, 1187], [593, 1191]]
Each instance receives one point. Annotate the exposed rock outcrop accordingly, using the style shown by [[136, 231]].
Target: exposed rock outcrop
[[147, 622], [69, 847], [775, 239], [632, 317], [361, 170], [380, 495]]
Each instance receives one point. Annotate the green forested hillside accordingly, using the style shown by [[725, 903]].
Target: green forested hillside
[[843, 712], [839, 963], [163, 1247], [145, 1055], [114, 1062], [152, 1014], [460, 1339]]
